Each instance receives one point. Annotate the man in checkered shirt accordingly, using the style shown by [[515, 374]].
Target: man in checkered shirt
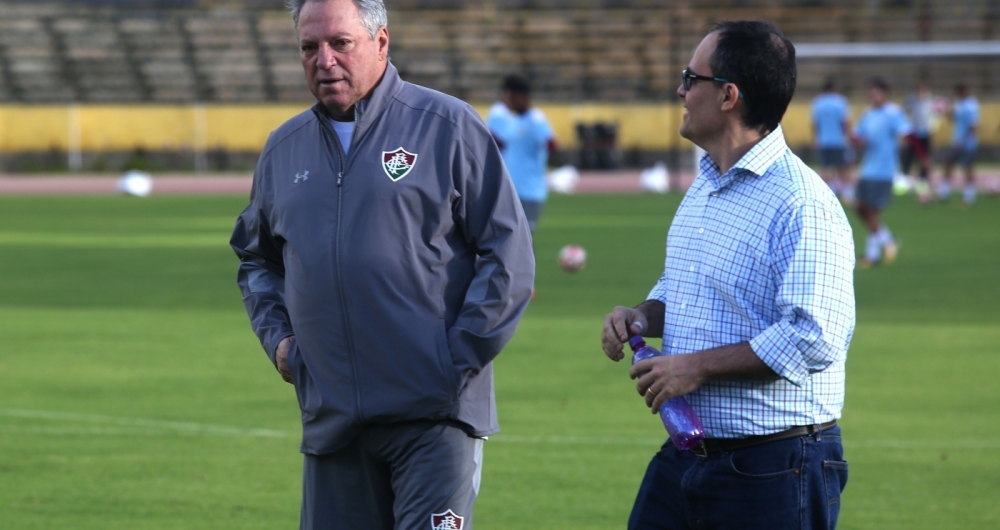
[[755, 307]]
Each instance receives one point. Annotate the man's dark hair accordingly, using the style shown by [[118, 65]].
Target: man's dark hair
[[760, 60], [830, 85], [879, 83], [517, 84], [961, 89]]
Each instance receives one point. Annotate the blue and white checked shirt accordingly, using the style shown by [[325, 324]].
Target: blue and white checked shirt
[[764, 254]]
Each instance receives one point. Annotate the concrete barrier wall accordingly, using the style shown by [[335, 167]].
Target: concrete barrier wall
[[244, 128]]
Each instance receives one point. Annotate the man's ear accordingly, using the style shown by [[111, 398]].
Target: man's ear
[[731, 95], [383, 42]]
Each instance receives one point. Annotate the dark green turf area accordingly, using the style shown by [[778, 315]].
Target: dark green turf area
[[133, 394]]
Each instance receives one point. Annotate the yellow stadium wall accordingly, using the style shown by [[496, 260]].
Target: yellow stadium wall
[[105, 128], [111, 128]]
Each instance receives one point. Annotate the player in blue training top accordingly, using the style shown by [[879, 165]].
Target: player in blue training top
[[831, 124], [526, 140], [965, 117], [878, 132]]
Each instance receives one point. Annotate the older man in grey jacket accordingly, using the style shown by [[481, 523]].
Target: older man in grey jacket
[[385, 261]]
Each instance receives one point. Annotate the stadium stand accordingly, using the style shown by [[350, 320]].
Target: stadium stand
[[159, 57], [30, 50], [226, 56], [626, 50], [179, 81], [94, 59]]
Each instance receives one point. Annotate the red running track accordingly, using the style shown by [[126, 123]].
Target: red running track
[[624, 181], [620, 181]]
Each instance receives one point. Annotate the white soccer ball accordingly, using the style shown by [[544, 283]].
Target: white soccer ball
[[572, 258], [563, 180], [655, 179], [902, 184], [136, 184]]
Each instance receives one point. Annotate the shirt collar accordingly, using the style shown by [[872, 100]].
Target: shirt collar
[[755, 161]]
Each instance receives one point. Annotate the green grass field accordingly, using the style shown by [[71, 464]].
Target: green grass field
[[134, 395]]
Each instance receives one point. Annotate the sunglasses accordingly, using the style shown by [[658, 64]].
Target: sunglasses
[[688, 78]]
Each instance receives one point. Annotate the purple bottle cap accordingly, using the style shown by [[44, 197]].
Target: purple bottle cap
[[636, 342]]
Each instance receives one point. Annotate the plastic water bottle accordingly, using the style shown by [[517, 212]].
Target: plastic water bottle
[[678, 417]]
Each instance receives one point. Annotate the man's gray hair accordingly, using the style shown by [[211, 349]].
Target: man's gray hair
[[372, 13]]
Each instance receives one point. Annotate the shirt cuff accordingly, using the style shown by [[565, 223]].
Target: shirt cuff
[[658, 293], [776, 346]]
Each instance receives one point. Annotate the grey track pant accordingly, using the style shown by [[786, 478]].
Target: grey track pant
[[403, 476]]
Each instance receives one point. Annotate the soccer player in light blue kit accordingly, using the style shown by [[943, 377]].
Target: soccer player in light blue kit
[[965, 115], [831, 122], [878, 132], [526, 140]]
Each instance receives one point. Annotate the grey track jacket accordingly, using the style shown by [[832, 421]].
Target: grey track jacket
[[400, 290]]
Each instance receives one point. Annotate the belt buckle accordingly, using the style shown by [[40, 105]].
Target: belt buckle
[[700, 450]]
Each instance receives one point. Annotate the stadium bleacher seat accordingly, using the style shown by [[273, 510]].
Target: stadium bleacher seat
[[233, 51]]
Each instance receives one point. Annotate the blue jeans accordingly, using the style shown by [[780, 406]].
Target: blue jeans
[[789, 484]]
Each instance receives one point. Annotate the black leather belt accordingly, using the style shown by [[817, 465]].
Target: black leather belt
[[718, 446]]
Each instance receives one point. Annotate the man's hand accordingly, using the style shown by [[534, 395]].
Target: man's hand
[[281, 357], [619, 323], [665, 377], [670, 376]]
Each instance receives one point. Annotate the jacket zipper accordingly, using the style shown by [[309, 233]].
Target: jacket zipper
[[340, 277]]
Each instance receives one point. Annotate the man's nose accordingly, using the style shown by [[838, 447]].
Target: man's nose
[[325, 57], [680, 91]]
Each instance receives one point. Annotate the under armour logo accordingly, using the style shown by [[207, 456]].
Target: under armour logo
[[301, 176]]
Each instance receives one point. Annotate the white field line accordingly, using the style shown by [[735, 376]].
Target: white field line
[[121, 426], [91, 431], [139, 424]]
